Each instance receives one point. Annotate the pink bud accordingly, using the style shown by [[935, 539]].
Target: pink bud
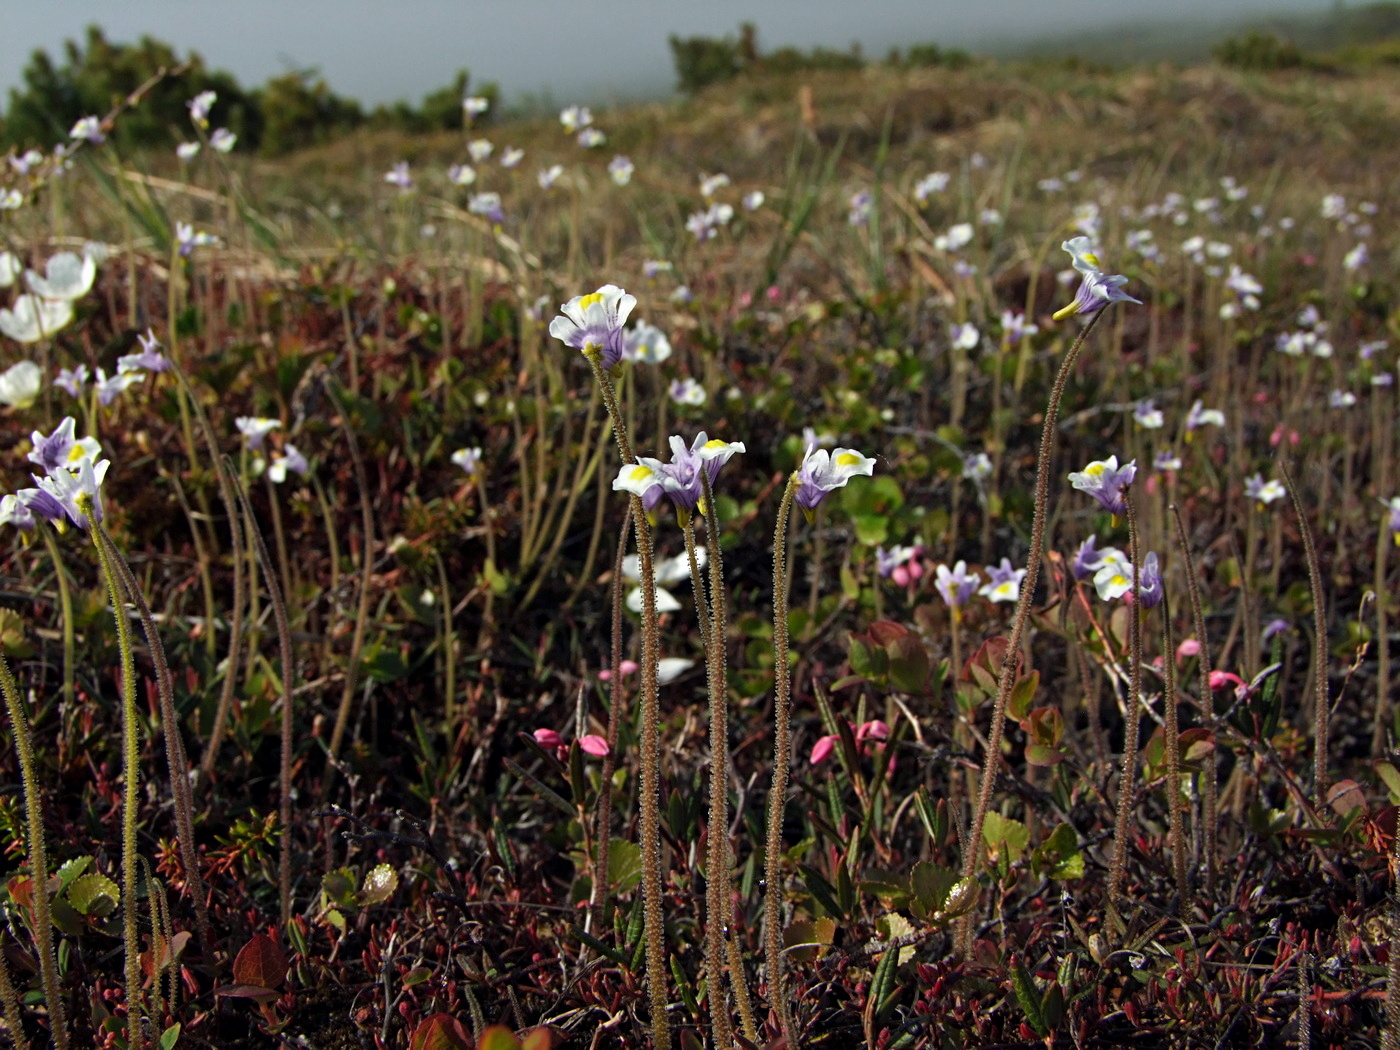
[[628, 667], [822, 748], [548, 738], [873, 730], [774, 293], [916, 568], [1188, 648], [1150, 485], [900, 575], [1219, 679], [605, 675], [594, 745]]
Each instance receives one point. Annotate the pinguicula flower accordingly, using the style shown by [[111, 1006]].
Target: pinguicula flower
[[822, 472], [1107, 482], [1003, 582], [669, 668], [1356, 258], [591, 138], [679, 479], [964, 336], [222, 140], [1275, 626], [753, 200], [20, 384], [1088, 559], [1147, 415], [255, 429], [475, 105], [860, 206], [575, 117], [61, 450], [487, 205], [957, 586], [1341, 399], [292, 460], [1200, 416], [645, 343], [667, 572], [1114, 579], [1166, 460], [188, 240], [712, 184], [687, 392], [1393, 505], [511, 156], [88, 129], [200, 106], [549, 176], [977, 467], [66, 276], [480, 150], [957, 238], [399, 176], [461, 174], [933, 182], [1263, 492], [621, 169], [71, 380], [469, 459], [1014, 327], [26, 162], [593, 323], [14, 511], [33, 318], [109, 389], [1096, 290], [150, 358], [187, 151], [73, 491], [11, 268]]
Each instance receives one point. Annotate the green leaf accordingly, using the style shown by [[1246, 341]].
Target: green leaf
[[814, 936], [821, 890], [873, 530], [1028, 998], [1023, 695], [930, 884], [1391, 778], [1058, 856], [170, 1037], [624, 864], [339, 887], [94, 894], [379, 885]]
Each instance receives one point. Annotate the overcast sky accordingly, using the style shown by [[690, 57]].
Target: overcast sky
[[577, 50]]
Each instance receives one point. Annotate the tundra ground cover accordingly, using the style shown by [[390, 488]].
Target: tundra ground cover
[[376, 513]]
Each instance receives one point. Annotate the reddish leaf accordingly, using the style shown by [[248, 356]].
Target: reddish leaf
[[260, 962], [497, 1037], [440, 1032], [246, 991]]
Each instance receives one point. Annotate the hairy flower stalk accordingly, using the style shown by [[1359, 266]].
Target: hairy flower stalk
[[603, 824], [1127, 779], [719, 905], [176, 759], [1172, 738], [38, 862], [782, 759], [130, 759], [65, 604], [1320, 700], [649, 801], [1210, 793], [972, 849]]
